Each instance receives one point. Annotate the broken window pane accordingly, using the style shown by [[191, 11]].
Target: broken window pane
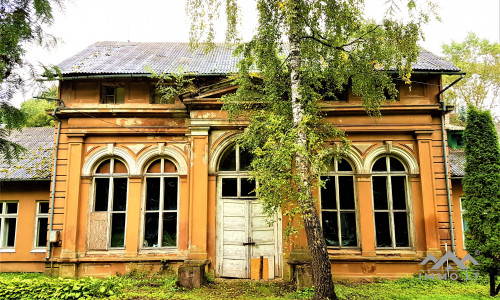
[[229, 187], [151, 230], [348, 228], [152, 193], [346, 192], [379, 192], [104, 167], [401, 230], [398, 192], [247, 187], [119, 167], [155, 167], [328, 196], [120, 194], [169, 238], [117, 230], [101, 194], [228, 160], [330, 228], [12, 207], [170, 194], [382, 229], [170, 167], [380, 165], [41, 239]]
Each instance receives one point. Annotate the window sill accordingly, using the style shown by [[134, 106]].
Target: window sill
[[7, 250], [38, 250]]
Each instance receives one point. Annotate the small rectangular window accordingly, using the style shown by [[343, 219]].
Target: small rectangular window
[[42, 221], [111, 94], [8, 223]]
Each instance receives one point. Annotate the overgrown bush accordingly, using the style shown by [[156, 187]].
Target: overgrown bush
[[58, 288]]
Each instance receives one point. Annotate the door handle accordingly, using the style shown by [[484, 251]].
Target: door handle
[[249, 242]]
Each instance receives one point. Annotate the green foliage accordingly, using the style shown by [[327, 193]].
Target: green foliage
[[301, 52], [22, 24], [164, 287], [481, 186], [170, 86], [34, 109], [58, 288], [480, 59]]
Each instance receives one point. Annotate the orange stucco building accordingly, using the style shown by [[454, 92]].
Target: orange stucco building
[[140, 183]]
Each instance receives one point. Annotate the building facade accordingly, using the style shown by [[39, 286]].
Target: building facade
[[143, 183]]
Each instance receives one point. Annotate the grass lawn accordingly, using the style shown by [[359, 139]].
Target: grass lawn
[[137, 286]]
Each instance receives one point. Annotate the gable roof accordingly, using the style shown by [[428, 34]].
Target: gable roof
[[36, 162], [134, 58]]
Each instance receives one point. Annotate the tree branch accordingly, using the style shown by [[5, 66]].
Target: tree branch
[[322, 42], [361, 37]]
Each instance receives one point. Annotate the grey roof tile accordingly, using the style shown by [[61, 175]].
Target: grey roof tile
[[457, 162], [36, 162], [135, 57]]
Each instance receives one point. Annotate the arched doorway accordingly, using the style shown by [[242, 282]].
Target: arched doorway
[[243, 230]]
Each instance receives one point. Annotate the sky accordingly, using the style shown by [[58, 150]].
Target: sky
[[84, 22]]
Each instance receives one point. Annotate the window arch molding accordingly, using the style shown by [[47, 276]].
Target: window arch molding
[[171, 153], [408, 159], [355, 160], [94, 159], [219, 150]]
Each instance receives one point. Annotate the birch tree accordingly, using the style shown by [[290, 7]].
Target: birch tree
[[303, 51]]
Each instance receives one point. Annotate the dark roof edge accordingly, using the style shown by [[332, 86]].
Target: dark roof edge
[[134, 75], [27, 179]]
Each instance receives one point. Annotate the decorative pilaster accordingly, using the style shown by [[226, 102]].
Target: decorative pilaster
[[428, 190], [198, 201]]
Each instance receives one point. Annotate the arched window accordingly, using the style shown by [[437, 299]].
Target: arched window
[[161, 208], [338, 205], [110, 205], [390, 203], [236, 162]]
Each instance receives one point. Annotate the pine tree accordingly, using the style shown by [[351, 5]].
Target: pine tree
[[481, 185]]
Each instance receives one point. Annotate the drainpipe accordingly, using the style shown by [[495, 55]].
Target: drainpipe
[[54, 168], [447, 177]]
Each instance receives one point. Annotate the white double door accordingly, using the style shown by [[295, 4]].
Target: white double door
[[244, 232]]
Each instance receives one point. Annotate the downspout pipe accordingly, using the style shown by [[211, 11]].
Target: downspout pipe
[[54, 170], [446, 165]]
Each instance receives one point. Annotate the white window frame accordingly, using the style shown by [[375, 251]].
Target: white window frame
[[111, 177], [39, 216], [390, 206], [4, 215], [335, 173], [161, 204], [462, 211]]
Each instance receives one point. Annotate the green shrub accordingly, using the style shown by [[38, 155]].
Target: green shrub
[[58, 288]]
